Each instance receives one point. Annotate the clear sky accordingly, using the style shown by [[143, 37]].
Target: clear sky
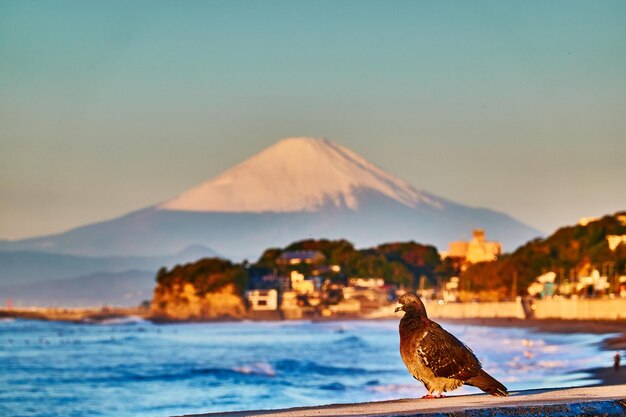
[[111, 106]]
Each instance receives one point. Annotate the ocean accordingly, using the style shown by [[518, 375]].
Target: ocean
[[131, 368]]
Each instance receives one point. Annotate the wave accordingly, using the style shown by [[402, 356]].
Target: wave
[[258, 368], [118, 321], [333, 386], [352, 342], [114, 340], [220, 374], [310, 367], [394, 388], [551, 364]]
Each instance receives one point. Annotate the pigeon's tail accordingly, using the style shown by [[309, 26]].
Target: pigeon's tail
[[487, 383]]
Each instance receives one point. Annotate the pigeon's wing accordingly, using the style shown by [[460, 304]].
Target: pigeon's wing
[[446, 355]]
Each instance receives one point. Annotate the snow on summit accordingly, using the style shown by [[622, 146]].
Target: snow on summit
[[297, 174]]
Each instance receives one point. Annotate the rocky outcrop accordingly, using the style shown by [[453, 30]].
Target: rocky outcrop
[[181, 302]]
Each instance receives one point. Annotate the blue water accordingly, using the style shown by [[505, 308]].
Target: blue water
[[135, 368]]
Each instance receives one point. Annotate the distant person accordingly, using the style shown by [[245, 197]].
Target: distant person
[[616, 361], [527, 306]]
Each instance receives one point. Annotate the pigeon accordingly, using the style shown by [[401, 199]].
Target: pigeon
[[435, 357]]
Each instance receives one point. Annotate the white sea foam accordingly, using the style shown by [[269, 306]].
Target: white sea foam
[[120, 320], [394, 388], [552, 364], [257, 368]]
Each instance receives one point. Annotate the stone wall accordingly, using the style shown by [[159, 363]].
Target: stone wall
[[581, 309], [475, 310]]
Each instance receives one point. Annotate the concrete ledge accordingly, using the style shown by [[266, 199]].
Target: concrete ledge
[[585, 401]]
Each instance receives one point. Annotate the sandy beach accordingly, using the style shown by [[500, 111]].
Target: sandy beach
[[607, 375], [548, 325]]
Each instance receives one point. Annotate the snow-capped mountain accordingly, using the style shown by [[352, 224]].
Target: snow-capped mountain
[[297, 174], [298, 188]]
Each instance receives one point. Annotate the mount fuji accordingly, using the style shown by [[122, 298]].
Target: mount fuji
[[297, 188], [298, 175]]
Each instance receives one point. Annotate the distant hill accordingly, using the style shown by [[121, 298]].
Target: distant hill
[[207, 289], [573, 248], [295, 189], [400, 263], [128, 288], [45, 279], [23, 267], [212, 288]]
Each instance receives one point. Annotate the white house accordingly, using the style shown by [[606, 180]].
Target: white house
[[263, 300]]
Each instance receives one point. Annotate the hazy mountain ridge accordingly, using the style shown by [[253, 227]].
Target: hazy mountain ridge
[[246, 235], [26, 267], [128, 288]]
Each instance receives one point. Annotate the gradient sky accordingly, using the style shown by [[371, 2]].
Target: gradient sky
[[110, 106]]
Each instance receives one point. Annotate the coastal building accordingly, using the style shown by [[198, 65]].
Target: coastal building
[[264, 280], [263, 300], [301, 257], [289, 300], [345, 308], [261, 280], [450, 292], [326, 270], [478, 249], [301, 285], [615, 240], [332, 292], [313, 299], [588, 283], [369, 294], [366, 282], [592, 284], [544, 285], [457, 249], [584, 221]]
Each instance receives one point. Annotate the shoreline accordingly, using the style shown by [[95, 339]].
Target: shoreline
[[559, 326], [553, 325], [74, 315], [607, 375], [546, 325]]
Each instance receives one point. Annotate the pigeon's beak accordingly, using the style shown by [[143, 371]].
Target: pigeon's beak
[[400, 308]]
